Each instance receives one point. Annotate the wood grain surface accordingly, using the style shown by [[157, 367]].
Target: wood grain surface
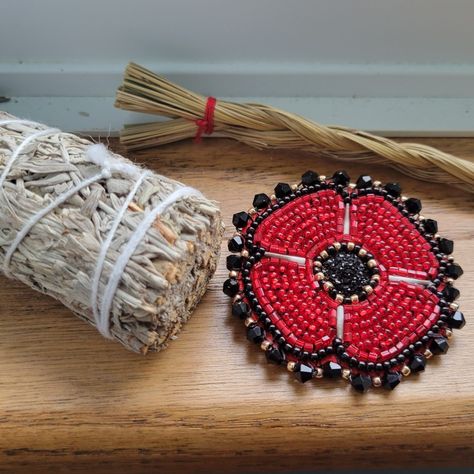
[[72, 401]]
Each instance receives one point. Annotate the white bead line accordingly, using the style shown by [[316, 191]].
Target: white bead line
[[347, 219], [291, 258], [340, 321], [412, 281]]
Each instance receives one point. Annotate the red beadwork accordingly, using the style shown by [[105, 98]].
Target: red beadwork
[[302, 223], [377, 324]]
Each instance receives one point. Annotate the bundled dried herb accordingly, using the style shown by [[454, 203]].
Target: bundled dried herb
[[73, 215]]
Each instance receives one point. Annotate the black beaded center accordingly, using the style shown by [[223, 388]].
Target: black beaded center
[[347, 272]]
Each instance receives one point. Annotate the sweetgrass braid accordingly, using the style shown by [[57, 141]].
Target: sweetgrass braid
[[263, 126]]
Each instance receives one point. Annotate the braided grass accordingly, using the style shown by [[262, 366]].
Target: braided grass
[[263, 126]]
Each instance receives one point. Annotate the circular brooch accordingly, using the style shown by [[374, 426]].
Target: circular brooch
[[340, 279]]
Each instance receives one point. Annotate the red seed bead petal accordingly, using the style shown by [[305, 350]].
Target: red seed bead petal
[[296, 227], [391, 237], [386, 320], [310, 318]]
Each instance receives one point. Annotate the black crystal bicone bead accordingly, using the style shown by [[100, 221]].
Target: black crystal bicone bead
[[394, 189], [234, 262], [413, 205], [341, 177], [240, 309], [337, 342], [431, 226], [240, 219], [439, 345], [391, 380], [309, 178], [361, 383], [282, 190], [456, 320], [303, 372], [454, 270], [364, 181], [450, 293], [418, 363], [261, 201], [236, 243], [446, 246], [255, 334], [274, 355], [332, 370], [230, 287]]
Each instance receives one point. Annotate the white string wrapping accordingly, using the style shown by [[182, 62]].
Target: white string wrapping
[[35, 218], [21, 146], [98, 316], [129, 249], [99, 155]]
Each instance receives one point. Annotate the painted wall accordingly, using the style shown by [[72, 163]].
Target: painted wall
[[331, 31], [342, 49]]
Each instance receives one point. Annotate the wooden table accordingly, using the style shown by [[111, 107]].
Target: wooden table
[[71, 400]]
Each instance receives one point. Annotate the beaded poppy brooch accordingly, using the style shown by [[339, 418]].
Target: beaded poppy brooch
[[336, 279]]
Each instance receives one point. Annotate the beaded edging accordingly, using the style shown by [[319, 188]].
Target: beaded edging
[[340, 279]]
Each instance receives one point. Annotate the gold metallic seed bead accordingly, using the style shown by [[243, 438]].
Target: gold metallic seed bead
[[249, 322], [436, 236], [244, 253], [317, 263], [376, 381], [322, 178], [237, 234], [362, 253], [294, 187], [291, 366], [421, 217], [324, 254], [368, 289], [377, 183], [428, 354], [350, 246], [252, 211], [352, 185], [273, 197], [449, 333], [346, 373], [371, 263], [237, 298], [320, 276], [453, 306], [406, 370], [233, 274], [265, 345], [318, 373], [449, 281], [328, 286], [337, 245], [339, 298], [376, 277], [404, 198], [355, 298]]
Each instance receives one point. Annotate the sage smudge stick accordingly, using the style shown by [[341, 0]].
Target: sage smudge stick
[[59, 217]]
